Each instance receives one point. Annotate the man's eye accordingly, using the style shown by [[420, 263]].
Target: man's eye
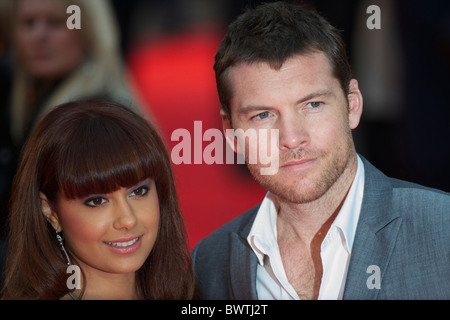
[[262, 115], [95, 202], [315, 104], [140, 192]]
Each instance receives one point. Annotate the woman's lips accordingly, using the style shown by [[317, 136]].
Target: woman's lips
[[124, 246]]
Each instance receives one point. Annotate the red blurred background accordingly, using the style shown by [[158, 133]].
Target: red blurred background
[[174, 78]]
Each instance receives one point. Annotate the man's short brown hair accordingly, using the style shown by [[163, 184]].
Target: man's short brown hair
[[274, 32]]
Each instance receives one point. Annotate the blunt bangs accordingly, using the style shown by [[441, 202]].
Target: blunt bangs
[[99, 153], [103, 158]]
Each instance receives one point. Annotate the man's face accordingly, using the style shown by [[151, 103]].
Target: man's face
[[306, 104]]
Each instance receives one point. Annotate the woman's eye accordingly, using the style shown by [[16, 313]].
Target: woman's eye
[[140, 191], [28, 22], [56, 22], [95, 202]]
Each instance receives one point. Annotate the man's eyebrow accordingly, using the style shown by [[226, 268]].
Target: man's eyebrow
[[253, 108], [317, 94]]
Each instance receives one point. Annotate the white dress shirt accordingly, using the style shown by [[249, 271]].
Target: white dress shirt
[[335, 250]]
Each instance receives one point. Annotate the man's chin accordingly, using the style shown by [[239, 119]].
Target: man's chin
[[301, 186], [297, 194], [294, 188]]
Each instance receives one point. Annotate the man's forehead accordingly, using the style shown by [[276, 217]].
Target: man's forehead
[[310, 68], [308, 57], [311, 64]]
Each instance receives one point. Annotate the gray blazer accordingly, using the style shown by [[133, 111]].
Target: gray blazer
[[403, 230]]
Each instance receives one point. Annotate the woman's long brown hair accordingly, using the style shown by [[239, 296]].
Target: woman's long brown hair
[[82, 148]]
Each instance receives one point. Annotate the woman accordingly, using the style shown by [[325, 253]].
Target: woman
[[95, 189], [55, 64]]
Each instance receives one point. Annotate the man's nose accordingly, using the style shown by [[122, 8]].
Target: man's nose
[[293, 131]]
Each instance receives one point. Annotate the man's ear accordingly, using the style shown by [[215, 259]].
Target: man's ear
[[49, 213], [229, 132], [355, 104]]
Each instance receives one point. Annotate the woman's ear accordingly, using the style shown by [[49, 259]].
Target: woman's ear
[[49, 213]]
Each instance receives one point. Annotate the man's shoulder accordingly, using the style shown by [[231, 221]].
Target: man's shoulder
[[422, 205], [211, 255], [404, 194], [240, 225], [412, 194]]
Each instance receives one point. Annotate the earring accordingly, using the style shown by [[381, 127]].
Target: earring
[[63, 249], [65, 256]]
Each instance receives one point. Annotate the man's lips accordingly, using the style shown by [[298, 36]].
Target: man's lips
[[300, 163]]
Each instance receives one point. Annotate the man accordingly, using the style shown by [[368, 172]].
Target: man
[[331, 226]]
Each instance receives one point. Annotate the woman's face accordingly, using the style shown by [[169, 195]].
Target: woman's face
[[111, 233], [46, 47]]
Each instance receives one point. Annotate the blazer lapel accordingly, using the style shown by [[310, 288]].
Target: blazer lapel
[[243, 262], [243, 266], [375, 238]]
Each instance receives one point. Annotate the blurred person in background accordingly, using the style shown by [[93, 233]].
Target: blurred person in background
[[55, 64]]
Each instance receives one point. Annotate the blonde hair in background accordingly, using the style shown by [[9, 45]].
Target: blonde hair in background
[[101, 72]]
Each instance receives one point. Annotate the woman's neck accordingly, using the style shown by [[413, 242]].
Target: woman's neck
[[101, 285]]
